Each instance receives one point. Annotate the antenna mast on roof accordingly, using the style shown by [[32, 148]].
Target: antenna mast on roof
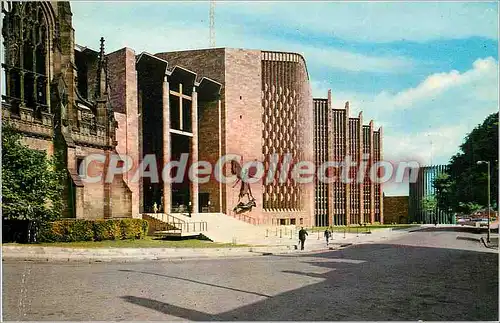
[[212, 24]]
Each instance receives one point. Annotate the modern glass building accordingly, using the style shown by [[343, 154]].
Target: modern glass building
[[422, 189]]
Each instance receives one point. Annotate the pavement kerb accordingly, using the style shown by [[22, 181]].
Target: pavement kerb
[[34, 253], [38, 253], [131, 254]]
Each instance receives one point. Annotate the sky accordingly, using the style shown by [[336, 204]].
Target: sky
[[427, 72]]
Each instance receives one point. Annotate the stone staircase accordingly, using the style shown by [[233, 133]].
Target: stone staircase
[[241, 230], [222, 228], [178, 225]]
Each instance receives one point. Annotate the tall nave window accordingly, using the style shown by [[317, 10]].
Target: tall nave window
[[25, 31]]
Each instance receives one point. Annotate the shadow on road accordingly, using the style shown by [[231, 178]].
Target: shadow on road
[[194, 281], [384, 282], [480, 230]]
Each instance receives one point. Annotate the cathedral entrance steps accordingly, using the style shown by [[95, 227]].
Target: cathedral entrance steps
[[162, 224], [227, 229], [183, 216]]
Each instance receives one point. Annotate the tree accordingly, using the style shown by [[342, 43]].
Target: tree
[[444, 189], [429, 203], [31, 182], [464, 187], [471, 207]]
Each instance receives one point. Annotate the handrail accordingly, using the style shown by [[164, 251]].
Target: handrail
[[193, 226], [166, 217], [245, 218], [179, 224]]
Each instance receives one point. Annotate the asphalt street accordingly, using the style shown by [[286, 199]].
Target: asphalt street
[[421, 276]]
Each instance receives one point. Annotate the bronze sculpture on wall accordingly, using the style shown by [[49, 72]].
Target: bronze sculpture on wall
[[245, 189]]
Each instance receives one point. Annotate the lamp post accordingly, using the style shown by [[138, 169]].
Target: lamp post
[[489, 197], [189, 208], [208, 206]]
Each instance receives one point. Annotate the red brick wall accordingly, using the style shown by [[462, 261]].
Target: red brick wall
[[395, 209], [123, 97], [208, 143], [204, 62], [243, 119], [117, 72], [307, 134]]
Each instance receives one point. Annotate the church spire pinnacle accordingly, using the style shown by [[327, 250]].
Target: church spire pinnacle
[[101, 53], [102, 72]]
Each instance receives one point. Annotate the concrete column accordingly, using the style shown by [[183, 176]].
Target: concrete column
[[167, 190], [329, 131], [361, 185], [372, 185], [194, 148], [381, 195], [347, 146]]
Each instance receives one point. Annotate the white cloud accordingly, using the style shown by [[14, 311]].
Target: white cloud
[[375, 22], [428, 122], [357, 62], [170, 35], [476, 88], [427, 147], [484, 70]]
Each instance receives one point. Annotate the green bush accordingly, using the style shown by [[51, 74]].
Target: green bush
[[93, 230], [133, 229], [67, 231], [107, 230]]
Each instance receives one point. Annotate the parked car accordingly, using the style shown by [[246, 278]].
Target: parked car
[[465, 221], [483, 222]]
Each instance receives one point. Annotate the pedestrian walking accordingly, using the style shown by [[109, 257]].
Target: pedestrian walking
[[302, 237], [328, 235]]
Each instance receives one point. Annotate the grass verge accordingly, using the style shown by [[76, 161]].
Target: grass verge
[[355, 229], [148, 242]]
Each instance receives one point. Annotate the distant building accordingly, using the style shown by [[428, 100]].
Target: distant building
[[336, 136], [422, 189]]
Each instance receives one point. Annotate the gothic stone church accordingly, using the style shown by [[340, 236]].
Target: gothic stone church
[[73, 101], [57, 96]]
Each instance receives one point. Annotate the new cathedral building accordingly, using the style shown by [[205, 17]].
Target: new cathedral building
[[73, 101]]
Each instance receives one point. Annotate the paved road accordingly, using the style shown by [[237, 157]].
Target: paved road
[[421, 276]]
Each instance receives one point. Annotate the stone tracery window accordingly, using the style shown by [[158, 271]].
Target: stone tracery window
[[25, 39]]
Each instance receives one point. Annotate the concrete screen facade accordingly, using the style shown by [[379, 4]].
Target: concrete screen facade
[[337, 135]]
